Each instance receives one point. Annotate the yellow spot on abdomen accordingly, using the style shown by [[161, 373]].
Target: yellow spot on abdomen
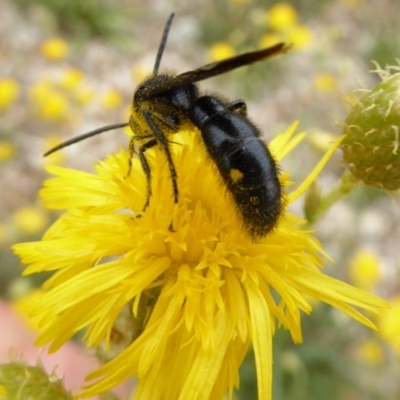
[[236, 175]]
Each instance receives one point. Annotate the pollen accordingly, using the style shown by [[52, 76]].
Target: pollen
[[254, 200]]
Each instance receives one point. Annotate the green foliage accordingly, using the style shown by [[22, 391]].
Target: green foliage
[[79, 18]]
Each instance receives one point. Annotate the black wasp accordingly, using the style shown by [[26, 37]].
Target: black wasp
[[163, 103]]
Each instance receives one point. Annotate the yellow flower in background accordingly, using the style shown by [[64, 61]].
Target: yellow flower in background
[[365, 269], [49, 102], [201, 294], [300, 36], [7, 150], [371, 352], [325, 82], [220, 50], [54, 49], [55, 107], [71, 78], [57, 157], [268, 40], [389, 325], [83, 95], [111, 99], [30, 219], [9, 92], [281, 16], [139, 73], [40, 90]]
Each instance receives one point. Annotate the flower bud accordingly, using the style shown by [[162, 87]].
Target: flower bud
[[21, 381], [372, 129]]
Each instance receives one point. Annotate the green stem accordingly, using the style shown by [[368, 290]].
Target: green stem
[[345, 185]]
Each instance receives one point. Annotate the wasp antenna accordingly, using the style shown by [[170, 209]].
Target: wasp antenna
[[163, 43], [85, 136]]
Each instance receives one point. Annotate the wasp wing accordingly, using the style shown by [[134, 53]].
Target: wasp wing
[[228, 64], [214, 69]]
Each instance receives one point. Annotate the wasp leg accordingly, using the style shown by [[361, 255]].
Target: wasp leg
[[132, 149], [238, 106], [146, 168], [162, 140], [131, 153]]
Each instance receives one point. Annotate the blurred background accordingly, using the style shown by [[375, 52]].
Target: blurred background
[[67, 67]]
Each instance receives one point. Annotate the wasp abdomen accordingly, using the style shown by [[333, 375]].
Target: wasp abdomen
[[244, 163]]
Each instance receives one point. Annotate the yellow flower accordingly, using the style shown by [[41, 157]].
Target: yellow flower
[[83, 95], [55, 158], [371, 352], [220, 50], [300, 36], [200, 295], [111, 99], [9, 91], [30, 220], [7, 150], [325, 82], [72, 78], [49, 102], [268, 40], [54, 49], [281, 16], [55, 107], [365, 269], [389, 324], [140, 73], [40, 90]]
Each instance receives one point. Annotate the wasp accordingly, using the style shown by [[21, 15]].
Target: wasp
[[163, 103]]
